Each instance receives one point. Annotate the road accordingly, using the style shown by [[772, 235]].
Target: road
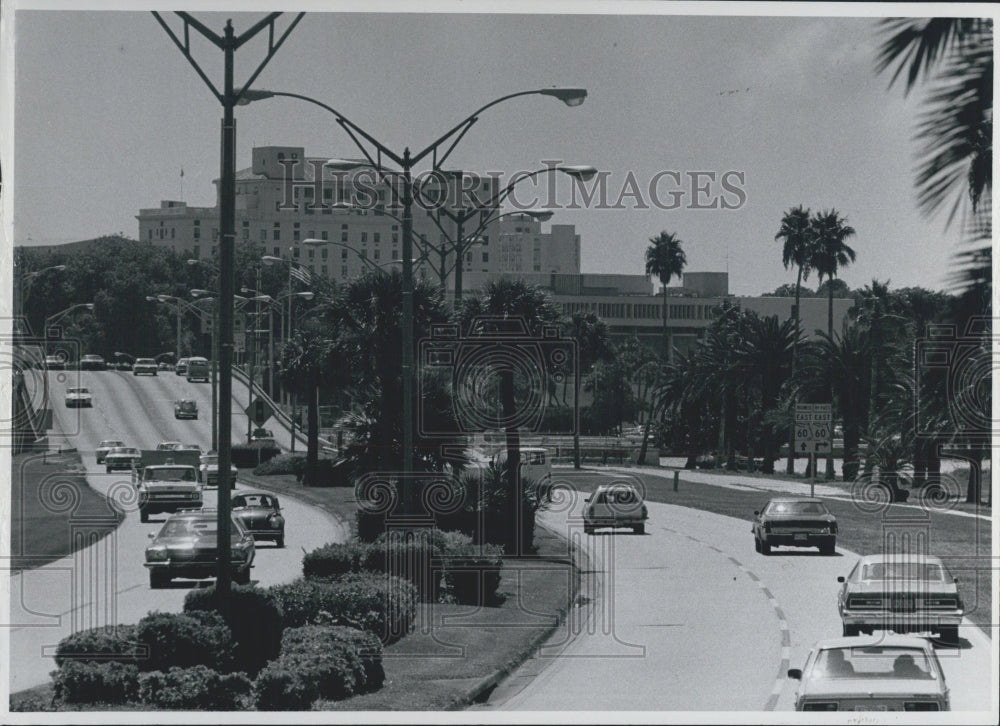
[[689, 618], [105, 582]]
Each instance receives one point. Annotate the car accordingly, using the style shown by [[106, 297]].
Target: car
[[122, 457], [180, 368], [186, 408], [168, 445], [55, 363], [144, 366], [166, 488], [794, 521], [618, 504], [902, 593], [262, 434], [208, 470], [104, 447], [260, 514], [885, 673], [164, 366], [123, 365], [198, 369], [78, 397], [91, 362], [187, 545]]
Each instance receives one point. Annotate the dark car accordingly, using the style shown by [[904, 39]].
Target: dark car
[[92, 362], [260, 514], [185, 408], [187, 545], [796, 522], [122, 457], [262, 434], [105, 446]]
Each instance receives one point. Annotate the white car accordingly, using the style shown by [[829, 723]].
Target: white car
[[618, 504], [77, 397], [208, 471], [104, 447], [169, 446], [871, 673]]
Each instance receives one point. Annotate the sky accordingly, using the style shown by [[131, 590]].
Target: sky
[[785, 110]]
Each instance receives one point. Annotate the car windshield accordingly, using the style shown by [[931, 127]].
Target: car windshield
[[255, 500], [179, 473], [903, 571], [77, 390], [201, 527], [111, 442], [796, 508], [210, 460], [617, 495], [124, 450], [872, 662], [146, 361], [187, 404]]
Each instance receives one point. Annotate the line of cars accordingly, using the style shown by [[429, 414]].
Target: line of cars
[[876, 664]]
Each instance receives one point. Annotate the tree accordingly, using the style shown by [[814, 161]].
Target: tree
[[666, 260], [797, 233], [829, 253], [517, 311], [593, 344]]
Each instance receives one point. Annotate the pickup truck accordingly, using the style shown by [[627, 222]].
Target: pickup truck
[[166, 487]]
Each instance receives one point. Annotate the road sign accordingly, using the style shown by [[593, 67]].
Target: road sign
[[813, 423], [259, 411]]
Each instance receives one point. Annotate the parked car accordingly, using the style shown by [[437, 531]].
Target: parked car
[[104, 447], [187, 545], [91, 362], [181, 367], [186, 408], [796, 522], [618, 504], [55, 363], [122, 457], [144, 366], [902, 593], [208, 471], [886, 673], [78, 397], [198, 369], [261, 515]]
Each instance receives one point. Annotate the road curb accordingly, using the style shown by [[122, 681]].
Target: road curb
[[488, 683], [285, 491]]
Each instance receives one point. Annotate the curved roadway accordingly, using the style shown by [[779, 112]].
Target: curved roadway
[[105, 581], [688, 617]]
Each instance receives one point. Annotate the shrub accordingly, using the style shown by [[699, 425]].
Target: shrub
[[196, 688], [254, 619], [407, 554], [248, 456], [93, 682], [471, 573], [324, 638], [369, 525], [334, 559], [282, 464], [99, 644], [375, 602], [184, 640], [296, 679]]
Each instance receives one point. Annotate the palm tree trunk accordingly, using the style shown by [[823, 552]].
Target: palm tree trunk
[[666, 338], [514, 510], [790, 464], [829, 331], [312, 425]]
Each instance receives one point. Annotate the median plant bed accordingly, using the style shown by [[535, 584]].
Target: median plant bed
[[249, 456], [329, 472], [194, 689], [107, 645]]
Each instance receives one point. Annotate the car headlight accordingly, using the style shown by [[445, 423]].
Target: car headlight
[[156, 554]]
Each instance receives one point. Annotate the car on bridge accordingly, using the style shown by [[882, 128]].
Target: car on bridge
[[617, 504], [187, 545], [186, 408], [198, 369], [796, 522], [903, 593], [144, 366], [262, 434], [168, 445], [208, 470], [180, 368], [122, 457], [79, 397], [55, 363], [884, 673], [104, 447], [260, 514], [91, 362]]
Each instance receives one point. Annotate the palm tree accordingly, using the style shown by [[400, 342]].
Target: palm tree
[[593, 345], [796, 231], [666, 260], [874, 308], [517, 311], [829, 253]]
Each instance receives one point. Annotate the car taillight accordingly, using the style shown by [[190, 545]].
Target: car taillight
[[921, 706], [864, 602], [820, 706], [941, 602]]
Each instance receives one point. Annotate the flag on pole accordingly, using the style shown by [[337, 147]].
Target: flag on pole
[[300, 274]]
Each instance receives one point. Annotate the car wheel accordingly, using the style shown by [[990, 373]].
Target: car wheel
[[143, 517], [280, 541], [158, 580], [948, 635], [765, 548], [756, 544], [851, 630], [639, 529], [108, 468], [828, 548]]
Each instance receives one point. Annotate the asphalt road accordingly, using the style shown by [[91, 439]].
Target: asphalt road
[[105, 581], [689, 618]]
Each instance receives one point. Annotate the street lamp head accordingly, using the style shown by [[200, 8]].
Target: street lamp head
[[262, 298], [347, 164], [271, 260], [569, 96], [152, 298], [312, 242], [163, 298], [192, 261], [198, 292], [249, 96], [59, 268], [583, 172], [89, 306], [542, 215], [307, 295]]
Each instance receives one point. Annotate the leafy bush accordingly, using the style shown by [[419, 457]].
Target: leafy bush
[[369, 525], [323, 638], [184, 640], [412, 555], [282, 464], [334, 559], [100, 644], [297, 678], [93, 682], [254, 620], [248, 456], [197, 688], [378, 603], [471, 573]]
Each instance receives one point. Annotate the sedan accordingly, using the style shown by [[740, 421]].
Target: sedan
[[144, 366], [208, 471], [887, 673], [261, 516], [104, 447], [796, 522], [92, 362], [902, 593], [187, 545], [186, 408], [77, 397], [169, 445], [261, 434], [618, 504], [55, 363], [122, 457]]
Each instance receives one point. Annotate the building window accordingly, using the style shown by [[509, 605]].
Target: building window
[[215, 250], [295, 252], [277, 252], [343, 270], [295, 232], [324, 235], [277, 231], [324, 270], [173, 232], [343, 236], [312, 253], [377, 255], [324, 253], [196, 252], [151, 234], [486, 257], [395, 238], [364, 238], [343, 254], [246, 230], [312, 234], [376, 237], [312, 268], [395, 254]]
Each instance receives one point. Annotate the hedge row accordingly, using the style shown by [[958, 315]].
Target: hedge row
[[248, 456], [196, 688], [254, 619], [329, 472]]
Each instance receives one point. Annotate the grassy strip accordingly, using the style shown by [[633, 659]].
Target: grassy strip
[[964, 543]]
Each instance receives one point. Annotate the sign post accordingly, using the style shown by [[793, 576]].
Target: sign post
[[813, 422]]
